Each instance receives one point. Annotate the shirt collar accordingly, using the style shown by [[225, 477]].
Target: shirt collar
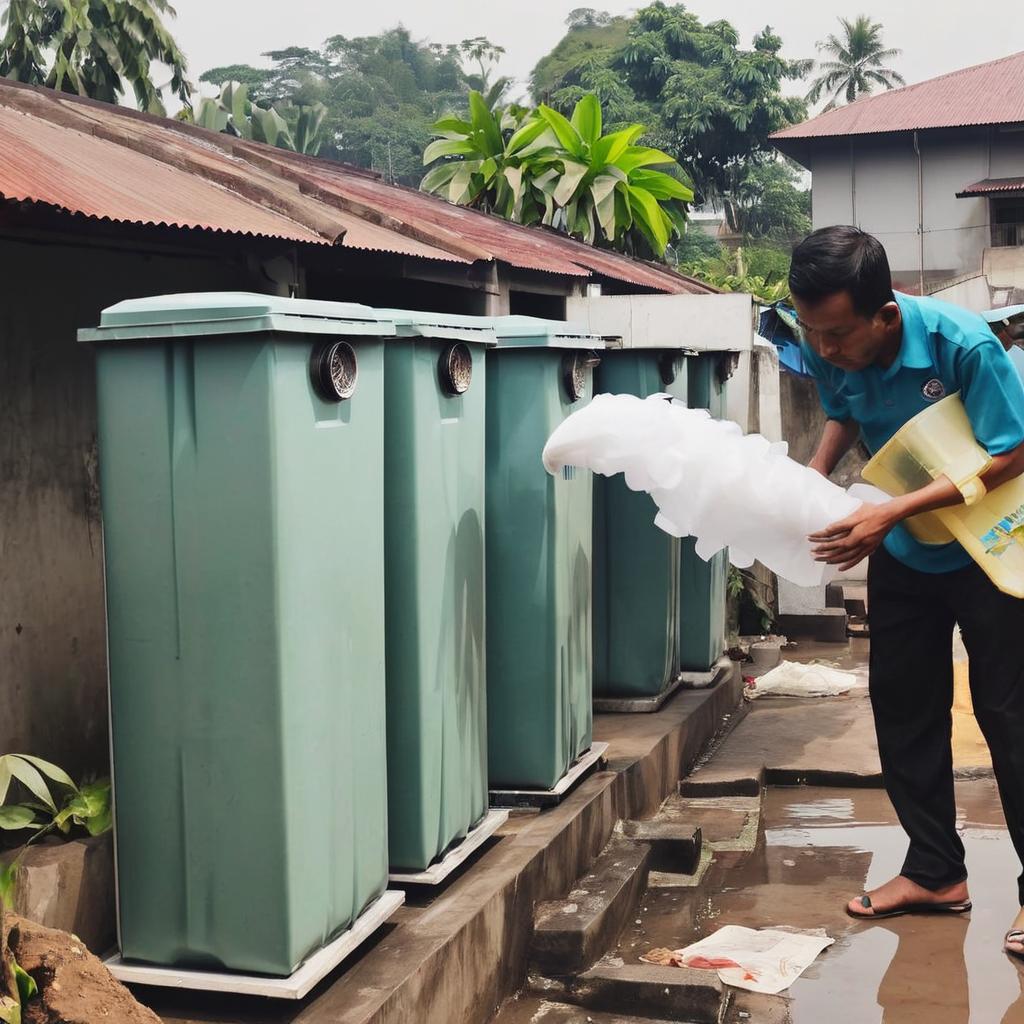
[[915, 351]]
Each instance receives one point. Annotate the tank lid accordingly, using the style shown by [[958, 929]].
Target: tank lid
[[194, 314]]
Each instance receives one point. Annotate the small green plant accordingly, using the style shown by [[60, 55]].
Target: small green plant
[[57, 804]]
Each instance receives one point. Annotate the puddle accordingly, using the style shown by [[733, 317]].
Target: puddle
[[819, 848]]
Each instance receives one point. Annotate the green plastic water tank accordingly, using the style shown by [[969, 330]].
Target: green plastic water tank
[[539, 540], [241, 443], [703, 601], [636, 565], [435, 398]]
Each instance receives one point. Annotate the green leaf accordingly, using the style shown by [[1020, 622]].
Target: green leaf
[[8, 877], [608, 149], [603, 191], [547, 182], [567, 136], [453, 125], [514, 177], [13, 819], [642, 156], [522, 137], [649, 214], [569, 181], [661, 185], [437, 179], [484, 123], [586, 118], [5, 778], [448, 147], [10, 1010], [488, 169], [29, 777], [27, 987], [51, 771], [459, 187]]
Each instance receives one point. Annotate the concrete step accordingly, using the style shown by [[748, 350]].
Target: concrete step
[[668, 993], [675, 844], [755, 1008], [571, 934], [547, 1012]]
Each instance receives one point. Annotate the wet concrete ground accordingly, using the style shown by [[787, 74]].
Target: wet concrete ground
[[820, 848]]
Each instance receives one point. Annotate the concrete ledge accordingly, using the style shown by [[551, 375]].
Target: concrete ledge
[[466, 949], [674, 845], [825, 626], [672, 993], [571, 934]]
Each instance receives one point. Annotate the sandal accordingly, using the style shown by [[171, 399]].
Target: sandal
[[1014, 935], [956, 907]]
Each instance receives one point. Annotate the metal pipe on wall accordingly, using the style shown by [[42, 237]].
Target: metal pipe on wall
[[920, 215]]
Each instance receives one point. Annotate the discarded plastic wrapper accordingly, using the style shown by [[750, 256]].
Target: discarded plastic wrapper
[[768, 960], [709, 480], [790, 679]]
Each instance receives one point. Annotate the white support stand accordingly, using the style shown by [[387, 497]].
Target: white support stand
[[458, 854], [551, 797], [296, 986]]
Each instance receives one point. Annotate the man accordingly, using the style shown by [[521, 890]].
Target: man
[[879, 359]]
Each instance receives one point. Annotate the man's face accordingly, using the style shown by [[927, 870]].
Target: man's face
[[841, 336]]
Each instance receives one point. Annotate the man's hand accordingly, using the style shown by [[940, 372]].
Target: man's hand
[[854, 538]]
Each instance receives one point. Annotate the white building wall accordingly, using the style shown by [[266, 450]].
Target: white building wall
[[872, 181]]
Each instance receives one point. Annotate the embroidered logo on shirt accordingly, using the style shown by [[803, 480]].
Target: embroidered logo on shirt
[[933, 389]]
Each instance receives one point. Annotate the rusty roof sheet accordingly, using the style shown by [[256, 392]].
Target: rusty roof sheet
[[992, 186], [121, 165], [991, 93]]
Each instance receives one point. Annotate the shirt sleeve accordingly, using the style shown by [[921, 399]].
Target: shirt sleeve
[[993, 396], [835, 405]]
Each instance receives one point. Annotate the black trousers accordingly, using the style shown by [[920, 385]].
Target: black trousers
[[912, 617]]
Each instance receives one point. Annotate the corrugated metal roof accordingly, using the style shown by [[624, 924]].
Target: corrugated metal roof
[[990, 93], [118, 164], [992, 186]]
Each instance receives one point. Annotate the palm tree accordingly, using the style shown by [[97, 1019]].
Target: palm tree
[[857, 64], [95, 48]]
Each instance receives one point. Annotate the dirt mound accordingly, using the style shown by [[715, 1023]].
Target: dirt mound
[[74, 986]]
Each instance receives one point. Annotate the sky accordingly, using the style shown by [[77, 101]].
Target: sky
[[935, 37]]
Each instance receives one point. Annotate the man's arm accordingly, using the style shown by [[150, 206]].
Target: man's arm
[[838, 437], [852, 539]]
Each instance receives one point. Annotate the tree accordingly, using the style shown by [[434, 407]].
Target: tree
[[706, 100], [381, 93], [540, 167], [765, 203], [234, 113], [486, 55], [587, 17], [95, 48], [857, 64]]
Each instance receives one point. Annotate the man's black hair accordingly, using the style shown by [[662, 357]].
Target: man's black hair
[[842, 259]]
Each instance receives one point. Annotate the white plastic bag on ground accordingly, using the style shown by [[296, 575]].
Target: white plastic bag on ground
[[708, 479], [768, 960], [794, 680]]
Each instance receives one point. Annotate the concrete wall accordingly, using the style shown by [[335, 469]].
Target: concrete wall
[[969, 293], [753, 397], [803, 422], [873, 182], [52, 626]]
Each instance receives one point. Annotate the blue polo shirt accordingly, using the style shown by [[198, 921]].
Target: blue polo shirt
[[944, 349]]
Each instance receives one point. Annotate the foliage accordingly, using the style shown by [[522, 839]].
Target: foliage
[[856, 64], [764, 202], [96, 48], [731, 273], [56, 804], [540, 167], [381, 93], [696, 245], [233, 112], [707, 101]]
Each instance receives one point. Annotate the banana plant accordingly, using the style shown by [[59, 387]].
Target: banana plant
[[540, 167], [234, 113]]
